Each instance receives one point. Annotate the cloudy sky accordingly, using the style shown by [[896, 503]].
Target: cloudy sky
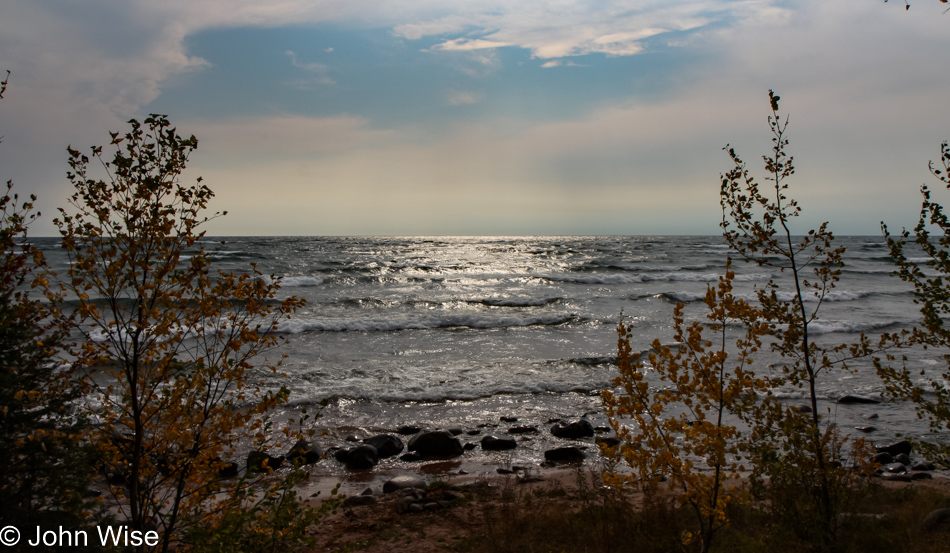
[[407, 117]]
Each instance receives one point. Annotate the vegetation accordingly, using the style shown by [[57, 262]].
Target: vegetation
[[170, 350], [45, 465], [931, 235], [707, 381]]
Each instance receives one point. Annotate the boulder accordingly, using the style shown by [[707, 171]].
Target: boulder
[[937, 519], [359, 500], [902, 446], [408, 430], [856, 400], [523, 430], [496, 443], [304, 452], [386, 445], [895, 468], [403, 482], [578, 429], [361, 457], [258, 461], [902, 458], [568, 454], [883, 458], [436, 445]]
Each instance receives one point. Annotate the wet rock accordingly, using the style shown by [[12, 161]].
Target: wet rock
[[228, 469], [902, 458], [578, 429], [403, 482], [509, 419], [474, 432], [865, 429], [352, 438], [568, 454], [258, 461], [523, 430], [408, 430], [921, 476], [856, 400], [554, 420], [496, 443], [359, 501], [455, 430], [410, 457], [937, 519], [436, 445], [601, 429], [874, 417], [469, 446], [902, 446], [896, 477], [883, 458], [804, 409], [361, 457], [386, 445], [368, 491], [304, 452], [923, 465], [609, 441], [895, 468]]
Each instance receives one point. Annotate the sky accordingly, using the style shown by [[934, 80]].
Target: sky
[[487, 117]]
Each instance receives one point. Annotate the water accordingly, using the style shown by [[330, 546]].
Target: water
[[458, 331]]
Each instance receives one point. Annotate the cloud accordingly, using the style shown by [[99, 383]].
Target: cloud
[[317, 70], [464, 44], [461, 98]]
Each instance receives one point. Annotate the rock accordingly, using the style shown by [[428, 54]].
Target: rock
[[361, 457], [897, 477], [609, 441], [874, 417], [474, 432], [407, 430], [431, 506], [923, 465], [455, 431], [352, 438], [509, 419], [469, 446], [228, 469], [436, 445], [416, 508], [410, 457], [856, 400], [578, 429], [304, 452], [902, 446], [359, 500], [554, 420], [804, 409], [403, 482], [568, 454], [601, 429], [386, 445], [865, 429], [258, 461], [883, 458], [895, 468], [523, 430], [902, 458], [495, 443], [502, 470], [368, 491], [937, 519], [921, 476]]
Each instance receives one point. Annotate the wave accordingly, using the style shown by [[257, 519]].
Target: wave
[[837, 295], [294, 281], [662, 277], [851, 327], [297, 326], [681, 297]]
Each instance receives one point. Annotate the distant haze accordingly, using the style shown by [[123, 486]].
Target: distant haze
[[486, 117]]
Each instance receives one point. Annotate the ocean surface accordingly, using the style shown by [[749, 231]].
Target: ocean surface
[[456, 331]]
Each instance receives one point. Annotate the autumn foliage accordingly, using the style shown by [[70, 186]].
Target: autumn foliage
[[174, 352]]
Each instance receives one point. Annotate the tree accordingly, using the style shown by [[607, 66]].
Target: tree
[[932, 293], [171, 349], [710, 410], [680, 428], [46, 467]]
